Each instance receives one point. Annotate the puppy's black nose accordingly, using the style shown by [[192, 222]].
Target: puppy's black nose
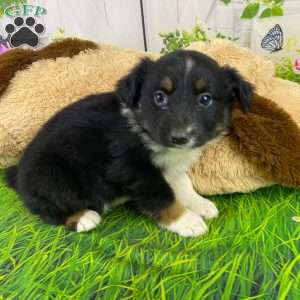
[[179, 140]]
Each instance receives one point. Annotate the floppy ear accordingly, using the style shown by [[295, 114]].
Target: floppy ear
[[129, 87], [239, 88]]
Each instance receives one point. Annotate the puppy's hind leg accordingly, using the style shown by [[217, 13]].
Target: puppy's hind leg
[[76, 218], [84, 220], [57, 198]]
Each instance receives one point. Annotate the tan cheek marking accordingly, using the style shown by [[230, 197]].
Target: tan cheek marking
[[220, 128], [171, 213], [221, 131], [167, 84], [200, 85]]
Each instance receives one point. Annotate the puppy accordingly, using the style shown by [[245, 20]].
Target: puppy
[[137, 142]]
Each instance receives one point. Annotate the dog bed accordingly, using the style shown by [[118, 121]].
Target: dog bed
[[261, 149]]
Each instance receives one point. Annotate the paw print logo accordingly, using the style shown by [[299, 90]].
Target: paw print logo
[[24, 32]]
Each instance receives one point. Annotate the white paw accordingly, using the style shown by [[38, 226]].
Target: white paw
[[88, 221], [189, 224], [204, 208]]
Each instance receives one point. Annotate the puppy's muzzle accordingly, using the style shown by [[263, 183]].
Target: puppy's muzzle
[[180, 137], [179, 140]]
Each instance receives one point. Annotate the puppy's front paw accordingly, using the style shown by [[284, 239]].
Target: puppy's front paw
[[205, 208], [188, 224]]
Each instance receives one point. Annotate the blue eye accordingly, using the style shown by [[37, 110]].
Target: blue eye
[[160, 99], [205, 99]]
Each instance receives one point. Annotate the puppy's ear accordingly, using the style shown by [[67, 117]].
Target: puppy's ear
[[129, 87], [239, 88]]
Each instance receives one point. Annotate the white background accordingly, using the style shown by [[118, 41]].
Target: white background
[[119, 21]]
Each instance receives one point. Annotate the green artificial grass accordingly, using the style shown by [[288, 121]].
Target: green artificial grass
[[251, 252]]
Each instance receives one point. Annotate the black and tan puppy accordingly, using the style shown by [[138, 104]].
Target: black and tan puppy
[[137, 143]]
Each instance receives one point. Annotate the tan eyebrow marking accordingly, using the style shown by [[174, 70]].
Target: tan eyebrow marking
[[167, 84], [200, 85]]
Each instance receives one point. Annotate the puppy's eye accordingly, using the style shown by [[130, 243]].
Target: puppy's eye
[[160, 99], [205, 99]]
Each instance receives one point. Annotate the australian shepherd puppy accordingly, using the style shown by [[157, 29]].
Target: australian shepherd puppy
[[135, 143]]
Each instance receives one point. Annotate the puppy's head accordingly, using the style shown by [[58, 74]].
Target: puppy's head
[[184, 99]]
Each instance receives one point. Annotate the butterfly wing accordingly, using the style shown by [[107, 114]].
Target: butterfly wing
[[278, 36], [269, 43], [273, 41]]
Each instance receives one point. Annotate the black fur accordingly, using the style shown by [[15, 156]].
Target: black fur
[[130, 87], [90, 153], [11, 176], [239, 88]]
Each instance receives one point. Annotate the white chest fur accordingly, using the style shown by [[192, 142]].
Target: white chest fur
[[175, 162]]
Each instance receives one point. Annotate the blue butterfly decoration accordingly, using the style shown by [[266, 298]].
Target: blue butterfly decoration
[[273, 41]]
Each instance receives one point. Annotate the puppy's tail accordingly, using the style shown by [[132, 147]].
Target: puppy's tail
[[10, 175]]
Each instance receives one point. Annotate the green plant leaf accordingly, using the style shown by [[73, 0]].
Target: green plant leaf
[[183, 38], [226, 1], [266, 13], [250, 11], [277, 11]]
